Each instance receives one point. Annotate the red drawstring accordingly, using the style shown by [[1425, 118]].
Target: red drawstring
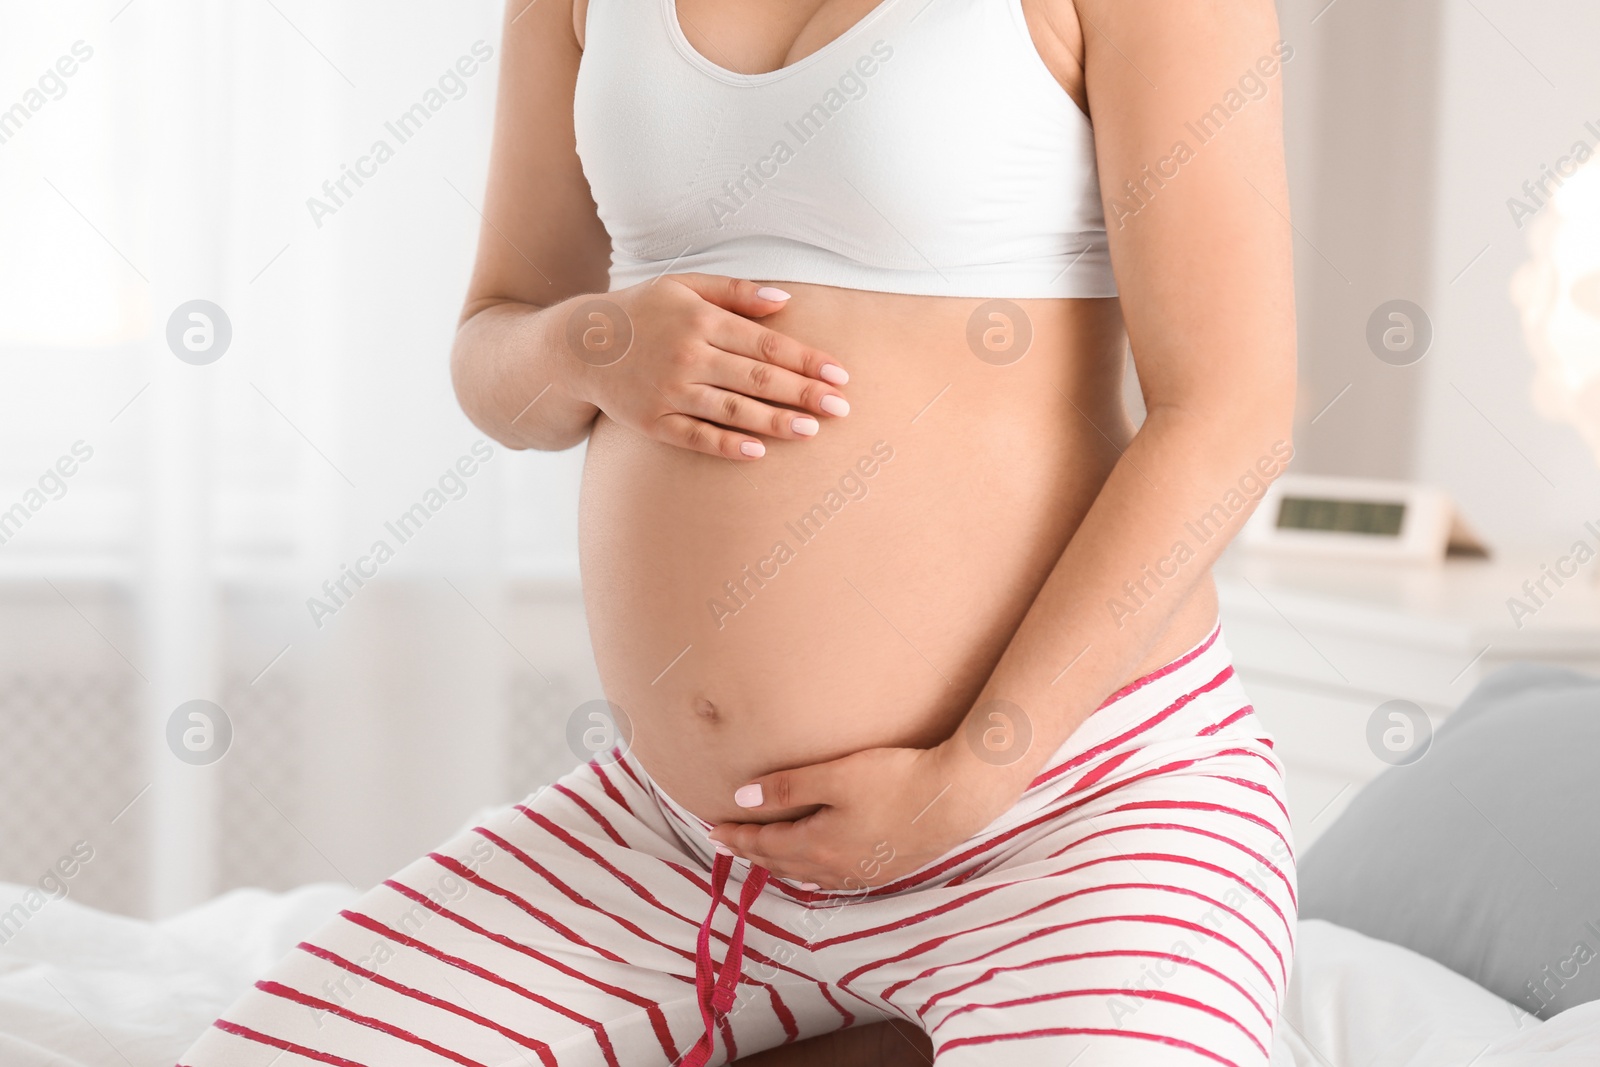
[[717, 996]]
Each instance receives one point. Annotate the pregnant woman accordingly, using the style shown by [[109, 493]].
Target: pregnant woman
[[927, 746]]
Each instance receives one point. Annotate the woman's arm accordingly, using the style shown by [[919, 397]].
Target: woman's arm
[[698, 372], [1204, 256], [1203, 261], [540, 243], [1203, 253]]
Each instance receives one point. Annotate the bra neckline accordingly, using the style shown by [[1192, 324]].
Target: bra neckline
[[669, 11]]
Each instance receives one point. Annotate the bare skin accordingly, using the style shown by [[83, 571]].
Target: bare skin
[[982, 549]]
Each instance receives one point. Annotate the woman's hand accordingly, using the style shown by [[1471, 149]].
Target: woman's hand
[[679, 360], [884, 812]]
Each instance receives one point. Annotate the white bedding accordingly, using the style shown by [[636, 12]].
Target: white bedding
[[83, 988], [1357, 1002]]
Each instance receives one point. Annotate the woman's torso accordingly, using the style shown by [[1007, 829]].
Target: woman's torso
[[853, 590]]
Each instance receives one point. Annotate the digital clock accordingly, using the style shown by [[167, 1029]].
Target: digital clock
[[1362, 518]]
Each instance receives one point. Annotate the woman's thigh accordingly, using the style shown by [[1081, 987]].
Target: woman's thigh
[[1152, 924], [559, 931]]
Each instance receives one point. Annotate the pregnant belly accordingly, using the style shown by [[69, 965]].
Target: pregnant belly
[[856, 589]]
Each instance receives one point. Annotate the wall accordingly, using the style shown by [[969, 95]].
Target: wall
[[1518, 83], [1360, 101], [1408, 127]]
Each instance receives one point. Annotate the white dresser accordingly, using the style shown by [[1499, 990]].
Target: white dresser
[[1321, 645]]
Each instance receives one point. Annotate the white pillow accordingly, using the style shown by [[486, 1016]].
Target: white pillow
[[1484, 854], [1359, 1001]]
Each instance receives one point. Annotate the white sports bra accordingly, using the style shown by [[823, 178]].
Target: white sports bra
[[928, 150]]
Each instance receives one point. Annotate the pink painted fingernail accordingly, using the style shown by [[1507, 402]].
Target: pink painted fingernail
[[810, 887], [805, 425], [832, 372], [753, 448], [835, 405], [723, 850], [767, 292], [748, 796]]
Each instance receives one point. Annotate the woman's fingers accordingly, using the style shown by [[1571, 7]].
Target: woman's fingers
[[781, 847], [712, 380], [730, 406], [697, 435], [738, 295], [767, 346], [797, 787], [722, 423], [766, 381], [739, 412]]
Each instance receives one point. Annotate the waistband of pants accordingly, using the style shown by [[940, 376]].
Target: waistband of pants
[[1162, 705]]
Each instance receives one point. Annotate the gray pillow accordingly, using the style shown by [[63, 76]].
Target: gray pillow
[[1484, 854]]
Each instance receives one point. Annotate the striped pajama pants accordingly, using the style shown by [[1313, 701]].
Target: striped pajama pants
[[1136, 906]]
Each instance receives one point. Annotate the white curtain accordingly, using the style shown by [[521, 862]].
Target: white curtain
[[315, 172]]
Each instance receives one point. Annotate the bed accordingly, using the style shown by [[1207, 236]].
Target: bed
[[1428, 913], [85, 988]]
